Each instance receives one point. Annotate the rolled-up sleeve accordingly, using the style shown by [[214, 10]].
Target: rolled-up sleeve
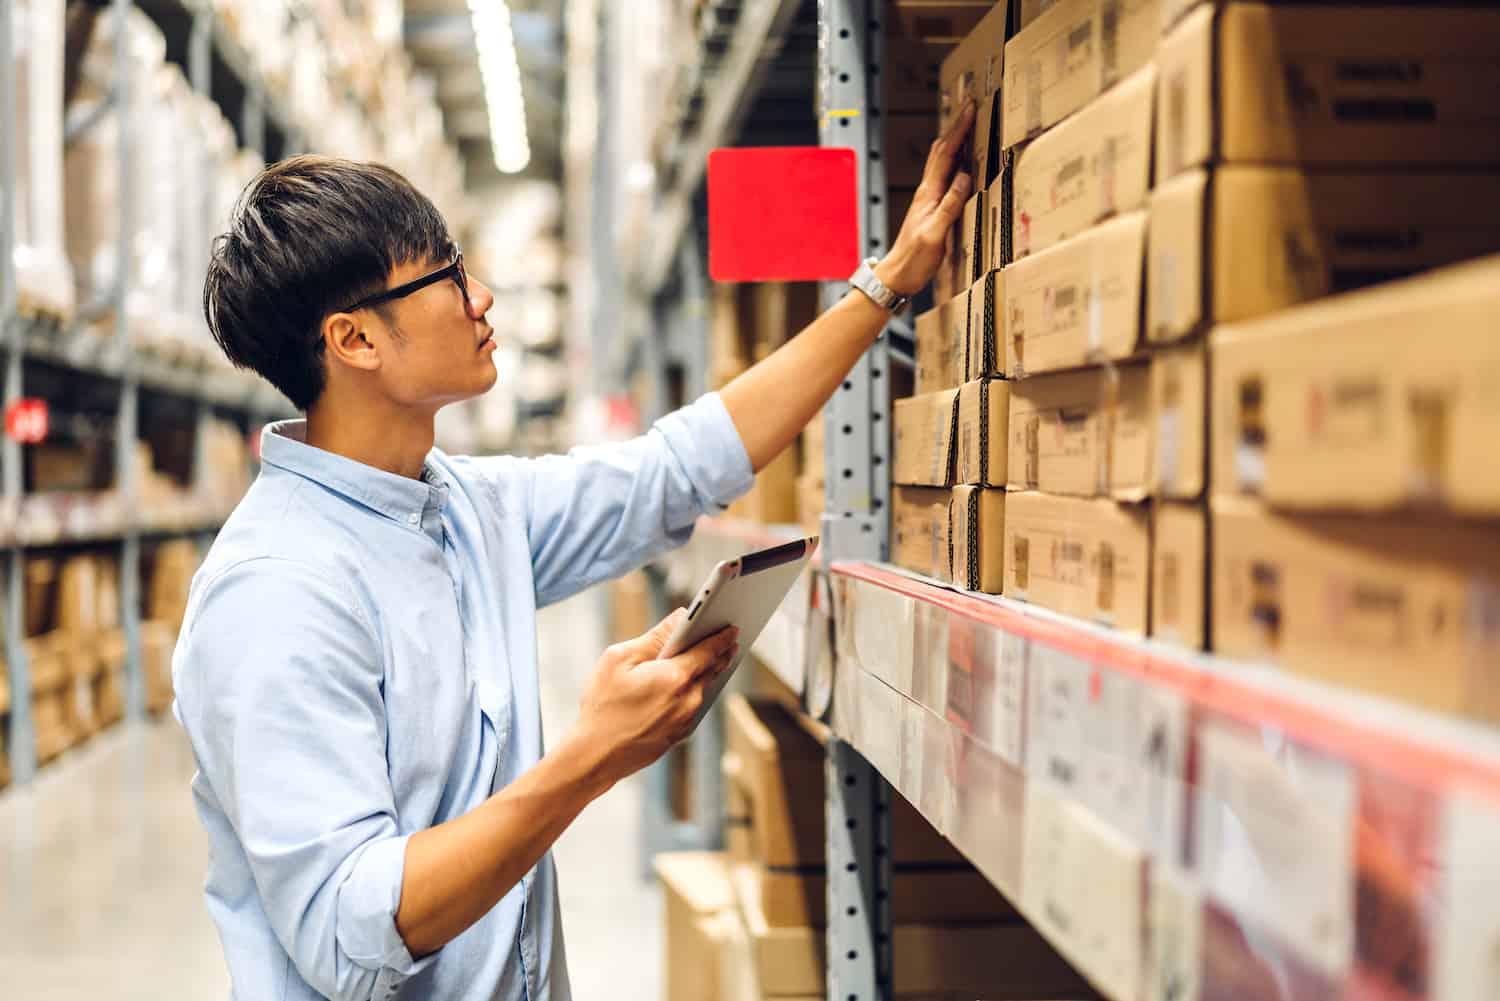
[[600, 511], [289, 729]]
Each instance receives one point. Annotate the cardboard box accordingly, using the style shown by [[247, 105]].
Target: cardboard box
[[984, 353], [696, 889], [998, 200], [978, 532], [731, 327], [911, 74], [1085, 882], [1070, 53], [1179, 573], [1179, 406], [1371, 401], [934, 19], [1239, 242], [629, 607], [157, 640], [738, 841], [1078, 303], [919, 530], [1087, 433], [973, 70], [1028, 11], [941, 334], [811, 498], [928, 961], [980, 449], [946, 894], [78, 595], [971, 237], [1251, 83], [923, 439], [908, 140], [1089, 558], [773, 499], [1391, 605], [782, 310], [172, 567], [1093, 165], [782, 768]]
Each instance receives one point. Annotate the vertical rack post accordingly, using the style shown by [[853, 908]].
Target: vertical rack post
[[22, 737], [200, 74], [125, 419], [253, 119], [856, 522]]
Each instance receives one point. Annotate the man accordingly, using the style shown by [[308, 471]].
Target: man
[[357, 671]]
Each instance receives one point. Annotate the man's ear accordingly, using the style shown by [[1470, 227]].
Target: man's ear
[[346, 340]]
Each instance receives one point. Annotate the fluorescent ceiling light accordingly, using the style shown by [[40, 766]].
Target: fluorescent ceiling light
[[502, 84]]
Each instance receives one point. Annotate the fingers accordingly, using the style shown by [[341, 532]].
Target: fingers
[[648, 645], [951, 207], [944, 153], [713, 654]]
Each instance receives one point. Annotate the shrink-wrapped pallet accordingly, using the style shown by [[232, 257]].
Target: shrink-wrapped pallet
[[43, 274]]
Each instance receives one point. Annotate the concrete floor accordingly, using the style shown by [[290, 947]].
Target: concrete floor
[[103, 863]]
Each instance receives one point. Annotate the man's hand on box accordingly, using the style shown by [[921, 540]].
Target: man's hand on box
[[935, 209]]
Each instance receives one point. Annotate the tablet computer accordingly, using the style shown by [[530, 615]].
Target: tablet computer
[[744, 593]]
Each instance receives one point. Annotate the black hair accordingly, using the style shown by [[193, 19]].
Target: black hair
[[309, 236]]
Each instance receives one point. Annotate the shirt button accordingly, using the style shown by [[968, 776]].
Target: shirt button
[[414, 518]]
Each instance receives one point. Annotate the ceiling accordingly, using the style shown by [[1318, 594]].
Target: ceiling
[[441, 42]]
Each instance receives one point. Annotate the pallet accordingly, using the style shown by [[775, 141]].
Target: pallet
[[39, 307]]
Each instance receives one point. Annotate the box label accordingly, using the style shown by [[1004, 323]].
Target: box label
[[1275, 840]]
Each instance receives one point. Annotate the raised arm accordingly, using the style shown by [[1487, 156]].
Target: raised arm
[[804, 373]]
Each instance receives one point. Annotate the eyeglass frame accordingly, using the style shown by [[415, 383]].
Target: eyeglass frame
[[455, 271]]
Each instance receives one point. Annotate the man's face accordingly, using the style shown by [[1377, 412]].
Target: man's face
[[441, 349]]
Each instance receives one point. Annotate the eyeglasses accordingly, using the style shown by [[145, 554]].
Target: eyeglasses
[[455, 271]]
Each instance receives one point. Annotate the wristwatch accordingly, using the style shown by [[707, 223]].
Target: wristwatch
[[864, 279]]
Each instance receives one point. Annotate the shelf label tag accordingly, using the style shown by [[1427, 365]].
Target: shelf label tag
[[26, 420], [1468, 928]]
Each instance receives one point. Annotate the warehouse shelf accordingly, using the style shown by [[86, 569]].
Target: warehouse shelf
[[182, 372], [259, 120], [743, 41], [1150, 810]]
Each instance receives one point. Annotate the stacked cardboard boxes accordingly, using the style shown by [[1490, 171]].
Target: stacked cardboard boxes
[[749, 923], [1298, 152], [1354, 493], [1082, 454], [948, 505]]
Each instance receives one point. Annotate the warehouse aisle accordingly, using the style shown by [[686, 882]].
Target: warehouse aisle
[[102, 862]]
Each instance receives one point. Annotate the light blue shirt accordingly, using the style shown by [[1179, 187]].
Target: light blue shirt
[[359, 663]]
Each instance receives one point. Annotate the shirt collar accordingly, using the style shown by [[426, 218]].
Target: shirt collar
[[399, 498]]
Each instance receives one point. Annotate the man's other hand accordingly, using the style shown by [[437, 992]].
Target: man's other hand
[[935, 209], [636, 706]]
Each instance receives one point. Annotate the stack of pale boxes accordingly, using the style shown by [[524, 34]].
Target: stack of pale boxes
[[1118, 369], [75, 646], [749, 923]]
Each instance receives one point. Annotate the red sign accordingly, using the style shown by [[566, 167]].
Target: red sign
[[26, 420], [782, 214]]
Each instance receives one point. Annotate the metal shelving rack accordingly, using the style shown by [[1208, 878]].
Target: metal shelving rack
[[213, 65], [856, 523], [1043, 746]]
